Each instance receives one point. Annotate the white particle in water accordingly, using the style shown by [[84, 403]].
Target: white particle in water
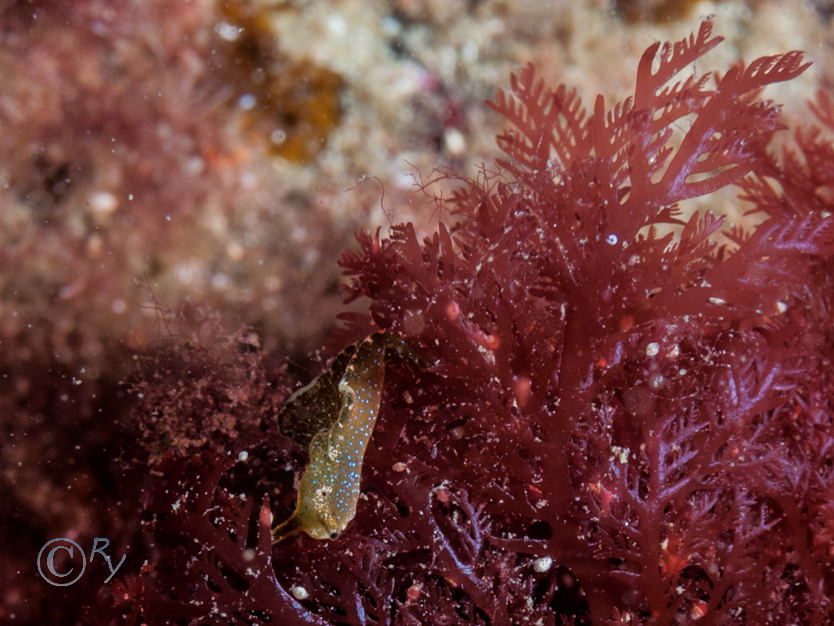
[[336, 24], [542, 564], [278, 136], [247, 102], [454, 141], [220, 281], [620, 453], [299, 593], [228, 32], [103, 203]]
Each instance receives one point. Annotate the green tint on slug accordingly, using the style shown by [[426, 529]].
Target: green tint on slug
[[335, 416]]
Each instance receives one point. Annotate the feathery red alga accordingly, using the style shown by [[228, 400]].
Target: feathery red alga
[[621, 426]]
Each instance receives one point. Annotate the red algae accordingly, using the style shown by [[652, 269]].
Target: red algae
[[627, 418]]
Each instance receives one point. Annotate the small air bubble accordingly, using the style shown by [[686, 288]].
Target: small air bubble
[[611, 239], [243, 455], [652, 349]]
